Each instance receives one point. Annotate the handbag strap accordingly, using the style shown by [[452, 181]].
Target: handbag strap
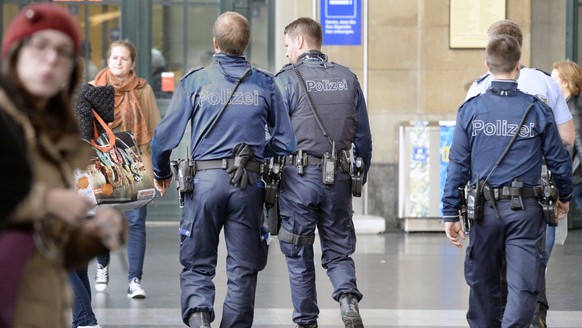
[[110, 135]]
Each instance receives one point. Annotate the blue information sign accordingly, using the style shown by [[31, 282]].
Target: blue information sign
[[341, 22]]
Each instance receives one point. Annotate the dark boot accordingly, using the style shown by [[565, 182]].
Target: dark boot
[[199, 320], [350, 311], [539, 320], [313, 325]]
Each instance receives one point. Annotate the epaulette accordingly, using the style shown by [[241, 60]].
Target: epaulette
[[190, 72], [264, 71], [483, 77], [285, 68], [466, 101], [537, 69], [340, 65]]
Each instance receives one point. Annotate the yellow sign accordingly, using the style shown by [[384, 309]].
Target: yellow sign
[[470, 20]]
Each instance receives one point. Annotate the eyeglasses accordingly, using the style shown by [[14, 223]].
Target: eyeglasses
[[41, 47]]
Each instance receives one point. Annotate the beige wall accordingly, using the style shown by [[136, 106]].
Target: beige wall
[[412, 72], [548, 31]]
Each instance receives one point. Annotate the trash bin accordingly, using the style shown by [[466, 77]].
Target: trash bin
[[422, 160]]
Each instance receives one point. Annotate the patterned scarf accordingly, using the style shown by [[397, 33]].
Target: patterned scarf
[[128, 113]]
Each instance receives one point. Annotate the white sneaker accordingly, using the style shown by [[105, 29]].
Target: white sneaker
[[134, 290], [101, 278]]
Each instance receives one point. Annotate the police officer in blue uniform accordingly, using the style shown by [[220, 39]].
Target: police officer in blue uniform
[[329, 115], [227, 190], [540, 84], [511, 224]]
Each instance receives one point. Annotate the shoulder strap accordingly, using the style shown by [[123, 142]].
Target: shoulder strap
[[302, 82], [211, 127], [512, 140]]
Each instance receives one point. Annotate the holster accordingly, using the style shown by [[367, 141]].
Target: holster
[[548, 198], [358, 177], [464, 218], [475, 203], [183, 171], [272, 179]]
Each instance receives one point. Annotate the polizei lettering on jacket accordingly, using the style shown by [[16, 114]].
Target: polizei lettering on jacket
[[327, 85], [238, 98], [502, 128]]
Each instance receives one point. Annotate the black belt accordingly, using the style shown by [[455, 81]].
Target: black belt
[[307, 160], [224, 164], [506, 192]]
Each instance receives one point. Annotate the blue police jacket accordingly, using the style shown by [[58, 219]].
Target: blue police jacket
[[338, 100], [199, 97], [485, 124]]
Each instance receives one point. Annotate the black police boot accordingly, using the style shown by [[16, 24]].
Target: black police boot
[[539, 320], [350, 311], [199, 320], [313, 325]]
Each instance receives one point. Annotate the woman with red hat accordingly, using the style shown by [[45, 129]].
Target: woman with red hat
[[41, 67]]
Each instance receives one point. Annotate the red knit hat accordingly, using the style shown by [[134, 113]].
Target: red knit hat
[[38, 17]]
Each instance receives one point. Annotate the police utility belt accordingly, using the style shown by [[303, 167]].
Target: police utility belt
[[509, 192], [184, 171], [472, 206], [225, 164]]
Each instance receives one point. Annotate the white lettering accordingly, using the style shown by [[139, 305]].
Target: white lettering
[[220, 97], [502, 128], [327, 85]]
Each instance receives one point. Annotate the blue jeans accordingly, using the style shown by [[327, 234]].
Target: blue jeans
[[136, 242], [82, 311]]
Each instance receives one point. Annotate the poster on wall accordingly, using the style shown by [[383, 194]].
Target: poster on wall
[[470, 20], [447, 129], [419, 170], [341, 22]]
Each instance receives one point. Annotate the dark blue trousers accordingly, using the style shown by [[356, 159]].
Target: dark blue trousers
[[519, 237], [306, 203], [214, 204]]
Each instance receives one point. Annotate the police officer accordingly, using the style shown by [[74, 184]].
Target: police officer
[[512, 223], [540, 84], [328, 113], [239, 101], [531, 81]]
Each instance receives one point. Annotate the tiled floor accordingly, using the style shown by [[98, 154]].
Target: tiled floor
[[408, 280]]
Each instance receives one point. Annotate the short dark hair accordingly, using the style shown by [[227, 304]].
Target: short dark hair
[[503, 53], [232, 32], [508, 27], [308, 28]]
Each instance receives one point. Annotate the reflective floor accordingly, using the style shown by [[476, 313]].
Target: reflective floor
[[408, 280]]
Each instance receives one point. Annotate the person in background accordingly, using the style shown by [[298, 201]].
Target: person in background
[[88, 99], [568, 76], [227, 189], [158, 67], [135, 111], [538, 83], [306, 201], [41, 67], [510, 227]]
